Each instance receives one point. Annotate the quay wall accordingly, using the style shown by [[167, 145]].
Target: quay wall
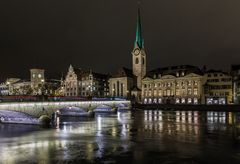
[[230, 108]]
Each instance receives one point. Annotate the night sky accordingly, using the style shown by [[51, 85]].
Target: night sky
[[99, 34]]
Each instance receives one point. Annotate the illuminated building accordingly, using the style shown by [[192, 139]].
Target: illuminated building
[[218, 87], [79, 82], [235, 70], [128, 82], [173, 85], [37, 80]]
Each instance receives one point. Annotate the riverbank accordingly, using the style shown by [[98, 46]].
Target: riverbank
[[185, 107]]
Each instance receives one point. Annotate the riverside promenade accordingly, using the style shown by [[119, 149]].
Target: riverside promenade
[[186, 107]]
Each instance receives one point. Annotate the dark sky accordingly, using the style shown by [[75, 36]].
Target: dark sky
[[99, 34]]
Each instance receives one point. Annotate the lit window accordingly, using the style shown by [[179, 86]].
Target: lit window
[[195, 83], [164, 93], [177, 84], [159, 100], [155, 101], [149, 93], [177, 92], [189, 100], [183, 100], [177, 100], [183, 73], [195, 91], [145, 101], [195, 101], [189, 91], [160, 93], [150, 101], [155, 93], [168, 92]]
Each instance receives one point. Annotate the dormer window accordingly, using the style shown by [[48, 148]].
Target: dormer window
[[183, 73], [177, 74]]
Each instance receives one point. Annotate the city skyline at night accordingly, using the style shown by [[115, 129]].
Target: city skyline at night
[[89, 35]]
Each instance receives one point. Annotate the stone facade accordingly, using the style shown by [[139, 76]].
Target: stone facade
[[218, 87], [37, 77], [85, 83], [127, 83], [173, 85], [121, 83]]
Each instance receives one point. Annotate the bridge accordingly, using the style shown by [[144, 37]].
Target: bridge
[[31, 110]]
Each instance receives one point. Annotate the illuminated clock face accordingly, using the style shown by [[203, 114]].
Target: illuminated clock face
[[136, 51]]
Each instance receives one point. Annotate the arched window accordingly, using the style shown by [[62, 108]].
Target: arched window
[[143, 61], [136, 61]]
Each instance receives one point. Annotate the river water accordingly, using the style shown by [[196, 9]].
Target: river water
[[137, 137]]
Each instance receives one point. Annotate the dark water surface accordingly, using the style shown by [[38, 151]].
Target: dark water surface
[[138, 137]]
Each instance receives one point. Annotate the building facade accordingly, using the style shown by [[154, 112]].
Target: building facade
[[85, 83], [37, 77], [173, 85], [235, 71], [138, 54], [121, 83], [127, 83], [218, 87]]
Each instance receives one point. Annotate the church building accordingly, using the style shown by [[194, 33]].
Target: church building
[[127, 83]]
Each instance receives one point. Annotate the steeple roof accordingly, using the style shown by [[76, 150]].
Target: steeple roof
[[139, 40]]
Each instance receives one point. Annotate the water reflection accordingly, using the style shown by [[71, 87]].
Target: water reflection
[[139, 137]]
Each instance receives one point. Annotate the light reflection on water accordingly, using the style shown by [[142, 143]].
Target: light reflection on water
[[139, 137]]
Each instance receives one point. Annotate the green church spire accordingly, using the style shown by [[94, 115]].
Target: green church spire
[[139, 40]]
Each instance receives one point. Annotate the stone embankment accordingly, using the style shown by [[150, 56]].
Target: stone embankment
[[173, 107]]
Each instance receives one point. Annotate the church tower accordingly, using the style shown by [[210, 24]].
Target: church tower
[[138, 54]]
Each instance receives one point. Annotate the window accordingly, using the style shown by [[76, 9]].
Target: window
[[183, 100], [189, 100], [177, 100], [168, 84], [149, 93], [136, 61], [155, 101], [177, 92], [155, 93], [160, 93], [195, 101], [189, 91], [195, 91], [183, 73], [168, 92], [177, 84], [150, 101], [159, 100], [143, 61], [164, 93], [195, 83], [177, 74]]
